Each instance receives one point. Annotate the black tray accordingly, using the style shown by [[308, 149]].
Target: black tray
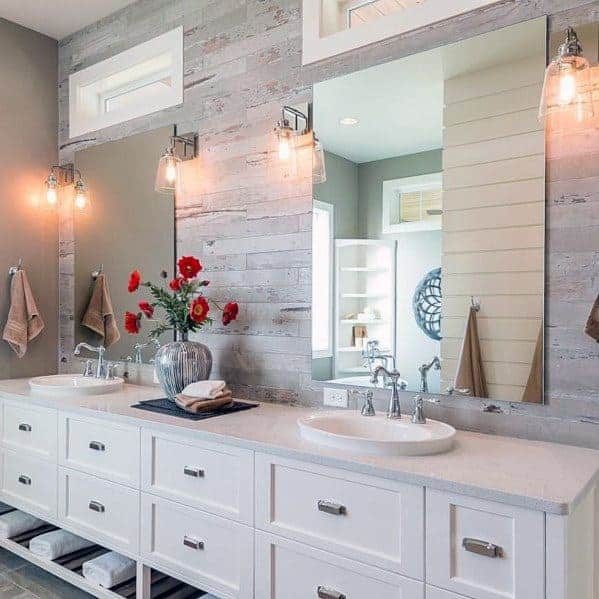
[[170, 408]]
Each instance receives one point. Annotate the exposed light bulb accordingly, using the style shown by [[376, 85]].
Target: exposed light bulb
[[567, 88], [284, 149], [81, 200], [51, 196], [171, 171]]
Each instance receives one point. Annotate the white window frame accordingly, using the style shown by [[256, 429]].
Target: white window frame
[[157, 59], [330, 209], [318, 47], [395, 187]]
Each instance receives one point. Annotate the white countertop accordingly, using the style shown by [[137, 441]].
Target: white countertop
[[542, 476]]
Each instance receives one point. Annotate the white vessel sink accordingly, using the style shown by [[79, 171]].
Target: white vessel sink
[[61, 385], [377, 435]]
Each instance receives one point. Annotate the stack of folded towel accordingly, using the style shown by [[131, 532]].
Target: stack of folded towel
[[57, 543], [204, 395], [16, 522], [109, 569]]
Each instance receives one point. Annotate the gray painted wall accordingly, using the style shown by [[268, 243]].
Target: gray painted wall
[[371, 176], [28, 134], [242, 62]]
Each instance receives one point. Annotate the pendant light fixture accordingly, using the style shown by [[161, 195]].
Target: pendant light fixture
[[567, 86], [290, 131], [63, 175], [168, 172]]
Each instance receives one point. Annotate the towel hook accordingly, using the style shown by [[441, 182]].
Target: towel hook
[[474, 304], [98, 272], [13, 270]]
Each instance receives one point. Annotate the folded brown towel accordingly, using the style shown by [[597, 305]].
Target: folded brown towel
[[99, 316], [24, 319], [533, 393], [470, 373], [592, 326], [203, 405]]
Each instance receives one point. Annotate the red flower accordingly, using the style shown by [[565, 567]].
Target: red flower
[[198, 311], [147, 309], [189, 266], [134, 281], [132, 322], [176, 283], [230, 312]]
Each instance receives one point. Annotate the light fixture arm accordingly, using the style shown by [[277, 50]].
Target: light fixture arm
[[571, 45], [188, 144], [294, 118]]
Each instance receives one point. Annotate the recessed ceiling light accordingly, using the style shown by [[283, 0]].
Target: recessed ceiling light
[[349, 121]]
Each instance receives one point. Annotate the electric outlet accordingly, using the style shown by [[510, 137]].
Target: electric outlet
[[336, 398]]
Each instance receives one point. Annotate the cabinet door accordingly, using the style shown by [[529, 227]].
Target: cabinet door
[[483, 549], [289, 570]]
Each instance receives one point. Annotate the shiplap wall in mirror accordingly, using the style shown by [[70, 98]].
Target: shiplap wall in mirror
[[243, 61], [437, 174]]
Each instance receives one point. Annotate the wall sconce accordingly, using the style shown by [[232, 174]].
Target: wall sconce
[[168, 171], [62, 175], [295, 124], [567, 86]]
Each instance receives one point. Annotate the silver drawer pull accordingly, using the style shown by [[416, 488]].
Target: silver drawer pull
[[324, 593], [97, 446], [195, 472], [24, 480], [192, 543], [482, 548], [331, 508], [96, 506], [26, 428]]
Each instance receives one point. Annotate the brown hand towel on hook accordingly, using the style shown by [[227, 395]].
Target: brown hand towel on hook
[[470, 373], [99, 316], [592, 326], [24, 320]]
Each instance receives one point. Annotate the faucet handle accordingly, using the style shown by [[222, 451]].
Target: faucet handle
[[418, 416], [89, 368], [368, 407], [110, 368]]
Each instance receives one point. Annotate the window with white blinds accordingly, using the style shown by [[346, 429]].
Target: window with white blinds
[[360, 11]]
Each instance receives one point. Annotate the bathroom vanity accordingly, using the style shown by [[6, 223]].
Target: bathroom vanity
[[242, 506]]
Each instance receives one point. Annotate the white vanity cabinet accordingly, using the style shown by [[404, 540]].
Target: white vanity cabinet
[[242, 523]]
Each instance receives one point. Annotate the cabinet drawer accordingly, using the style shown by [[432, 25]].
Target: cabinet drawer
[[483, 549], [30, 428], [105, 449], [208, 551], [289, 570], [99, 510], [215, 478], [435, 593], [375, 521], [29, 484]]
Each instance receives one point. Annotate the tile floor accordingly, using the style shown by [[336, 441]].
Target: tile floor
[[21, 580]]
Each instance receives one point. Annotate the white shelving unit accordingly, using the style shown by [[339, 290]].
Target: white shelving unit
[[364, 280]]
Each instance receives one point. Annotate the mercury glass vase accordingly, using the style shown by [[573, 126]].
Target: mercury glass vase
[[181, 363]]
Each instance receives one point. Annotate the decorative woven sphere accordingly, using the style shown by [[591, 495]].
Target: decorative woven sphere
[[426, 304]]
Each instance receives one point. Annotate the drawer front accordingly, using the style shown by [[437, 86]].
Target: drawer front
[[208, 551], [483, 549], [99, 510], [97, 447], [375, 521], [289, 570], [30, 428], [29, 484], [435, 593], [214, 478]]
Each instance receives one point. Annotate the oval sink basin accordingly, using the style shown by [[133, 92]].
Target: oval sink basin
[[61, 385], [377, 435]]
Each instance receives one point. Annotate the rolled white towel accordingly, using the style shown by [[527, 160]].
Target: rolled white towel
[[16, 523], [57, 543], [205, 389], [109, 569]]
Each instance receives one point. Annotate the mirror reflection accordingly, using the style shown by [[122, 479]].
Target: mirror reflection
[[428, 234], [129, 226]]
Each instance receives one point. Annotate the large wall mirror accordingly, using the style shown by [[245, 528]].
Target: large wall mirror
[[129, 226], [429, 230]]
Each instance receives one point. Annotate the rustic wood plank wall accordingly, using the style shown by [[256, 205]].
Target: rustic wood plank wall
[[242, 62]]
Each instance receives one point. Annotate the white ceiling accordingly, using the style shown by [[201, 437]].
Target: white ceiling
[[399, 104], [58, 18]]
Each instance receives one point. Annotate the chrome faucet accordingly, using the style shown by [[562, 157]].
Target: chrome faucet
[[434, 363], [372, 353], [394, 411], [367, 407], [100, 350], [139, 347]]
